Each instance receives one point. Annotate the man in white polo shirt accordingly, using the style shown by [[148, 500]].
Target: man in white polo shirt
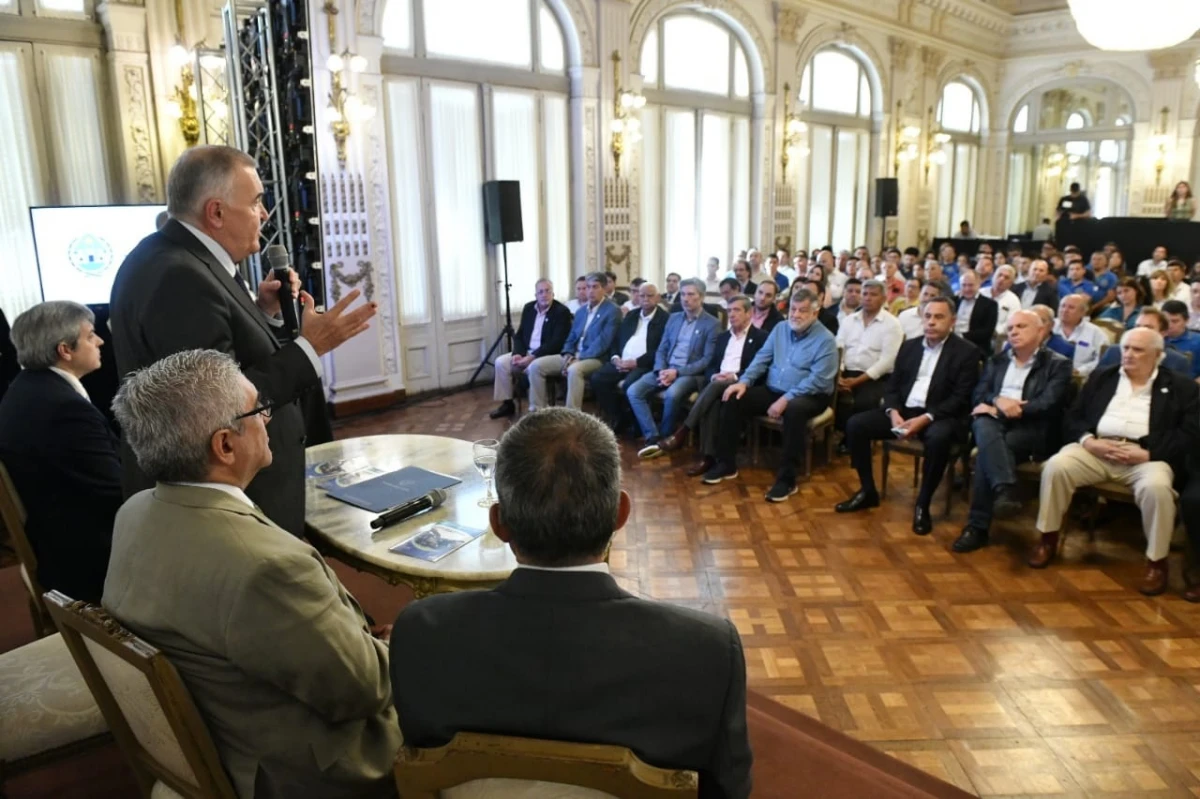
[[1073, 325], [869, 340]]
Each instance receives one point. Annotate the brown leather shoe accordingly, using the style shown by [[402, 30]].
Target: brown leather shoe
[[700, 467], [674, 441], [1154, 582], [1192, 594], [1044, 552]]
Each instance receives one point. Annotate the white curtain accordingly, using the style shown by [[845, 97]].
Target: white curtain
[[714, 188], [820, 177], [653, 268], [741, 185], [408, 209], [23, 182], [558, 196], [514, 137], [679, 195], [457, 199], [77, 146]]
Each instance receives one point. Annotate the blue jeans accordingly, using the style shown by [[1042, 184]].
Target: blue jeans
[[639, 399]]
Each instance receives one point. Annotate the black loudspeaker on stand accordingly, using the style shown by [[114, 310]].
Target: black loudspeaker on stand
[[887, 203], [502, 224]]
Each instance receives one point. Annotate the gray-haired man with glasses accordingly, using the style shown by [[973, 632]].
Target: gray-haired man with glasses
[[279, 658]]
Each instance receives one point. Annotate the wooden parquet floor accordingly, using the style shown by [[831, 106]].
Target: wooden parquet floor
[[1002, 680]]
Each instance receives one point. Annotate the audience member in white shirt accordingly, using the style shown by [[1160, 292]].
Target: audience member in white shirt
[[1000, 291], [581, 295], [851, 299], [1072, 324], [1158, 260], [912, 320], [869, 340]]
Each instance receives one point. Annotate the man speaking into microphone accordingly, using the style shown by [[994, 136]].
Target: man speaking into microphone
[[179, 289]]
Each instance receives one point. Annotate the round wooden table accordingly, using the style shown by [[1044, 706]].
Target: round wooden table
[[344, 532]]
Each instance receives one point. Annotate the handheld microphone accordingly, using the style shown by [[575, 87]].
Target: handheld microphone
[[279, 261], [433, 499]]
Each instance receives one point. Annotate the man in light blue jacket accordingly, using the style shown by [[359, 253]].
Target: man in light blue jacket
[[800, 362], [587, 346], [683, 354]]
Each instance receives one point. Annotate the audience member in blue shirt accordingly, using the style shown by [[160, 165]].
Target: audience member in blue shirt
[[1105, 279], [1178, 336], [1076, 283], [1128, 306], [800, 362]]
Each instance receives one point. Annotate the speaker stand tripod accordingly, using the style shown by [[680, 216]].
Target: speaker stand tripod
[[507, 333]]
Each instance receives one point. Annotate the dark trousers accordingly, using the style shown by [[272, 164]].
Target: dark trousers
[[705, 416], [736, 414], [614, 408], [864, 398], [939, 438], [1189, 506], [1002, 444]]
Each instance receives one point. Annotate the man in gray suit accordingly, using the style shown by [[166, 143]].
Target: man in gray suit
[[278, 657], [179, 289], [558, 650]]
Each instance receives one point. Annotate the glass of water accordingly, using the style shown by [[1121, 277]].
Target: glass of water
[[485, 462]]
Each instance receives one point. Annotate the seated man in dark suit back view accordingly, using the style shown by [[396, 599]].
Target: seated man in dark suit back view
[[559, 651], [59, 449]]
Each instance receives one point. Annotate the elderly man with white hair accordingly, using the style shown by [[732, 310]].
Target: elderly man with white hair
[[1086, 338], [1134, 424], [1000, 290]]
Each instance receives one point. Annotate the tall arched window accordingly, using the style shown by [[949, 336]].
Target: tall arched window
[[696, 146], [833, 180], [476, 91], [960, 118]]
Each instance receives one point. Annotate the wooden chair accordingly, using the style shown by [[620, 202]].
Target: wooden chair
[[916, 449], [601, 769], [823, 422], [47, 712], [12, 512], [147, 706], [1112, 327]]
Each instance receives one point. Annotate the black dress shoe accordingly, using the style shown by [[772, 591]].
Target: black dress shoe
[[970, 540], [507, 408], [1004, 503], [843, 449], [922, 524], [860, 501]]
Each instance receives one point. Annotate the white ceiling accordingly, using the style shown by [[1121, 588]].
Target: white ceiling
[[1027, 6]]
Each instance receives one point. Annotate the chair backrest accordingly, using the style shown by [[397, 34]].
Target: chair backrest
[[12, 512], [609, 770], [1112, 328], [144, 701]]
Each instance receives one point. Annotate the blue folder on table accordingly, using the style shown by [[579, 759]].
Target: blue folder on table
[[391, 489]]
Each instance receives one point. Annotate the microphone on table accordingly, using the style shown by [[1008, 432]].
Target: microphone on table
[[279, 261], [433, 499]]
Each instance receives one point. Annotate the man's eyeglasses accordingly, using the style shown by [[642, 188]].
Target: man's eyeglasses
[[264, 407]]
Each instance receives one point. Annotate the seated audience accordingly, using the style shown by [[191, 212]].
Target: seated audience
[[834, 277], [975, 315], [851, 299], [1135, 424], [1076, 282], [588, 343], [610, 289], [741, 273], [735, 350], [545, 323], [828, 315], [581, 295], [559, 650], [634, 300], [764, 314], [1105, 279], [799, 360], [59, 449], [687, 345], [754, 260], [1179, 288], [1194, 307], [1153, 319], [1053, 341], [711, 278], [1038, 288], [892, 279], [279, 658], [1001, 291], [631, 357], [912, 320], [910, 298], [985, 267], [1157, 261], [1160, 288], [928, 398], [670, 297], [965, 231], [1043, 231], [1178, 336], [772, 273], [1017, 418], [1128, 305], [869, 341], [1086, 339], [729, 289]]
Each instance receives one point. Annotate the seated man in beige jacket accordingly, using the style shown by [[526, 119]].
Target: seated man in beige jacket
[[278, 657]]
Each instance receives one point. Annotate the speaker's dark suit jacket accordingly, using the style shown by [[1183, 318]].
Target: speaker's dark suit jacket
[[554, 329], [1047, 392], [62, 457], [954, 377], [172, 294], [984, 315], [1174, 414], [1047, 293], [570, 656], [8, 355], [654, 334], [755, 338]]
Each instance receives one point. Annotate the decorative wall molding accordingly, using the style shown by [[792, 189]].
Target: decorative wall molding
[[591, 169], [139, 144], [381, 227], [847, 36], [363, 274], [618, 227], [1029, 79], [1172, 64], [788, 22]]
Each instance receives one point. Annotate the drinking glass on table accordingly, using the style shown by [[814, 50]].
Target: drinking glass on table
[[485, 462]]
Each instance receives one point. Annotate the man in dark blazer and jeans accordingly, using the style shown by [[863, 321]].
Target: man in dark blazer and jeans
[[179, 289], [558, 650], [928, 398], [1019, 404], [632, 355], [545, 323]]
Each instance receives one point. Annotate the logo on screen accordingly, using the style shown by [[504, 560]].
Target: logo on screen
[[90, 254]]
